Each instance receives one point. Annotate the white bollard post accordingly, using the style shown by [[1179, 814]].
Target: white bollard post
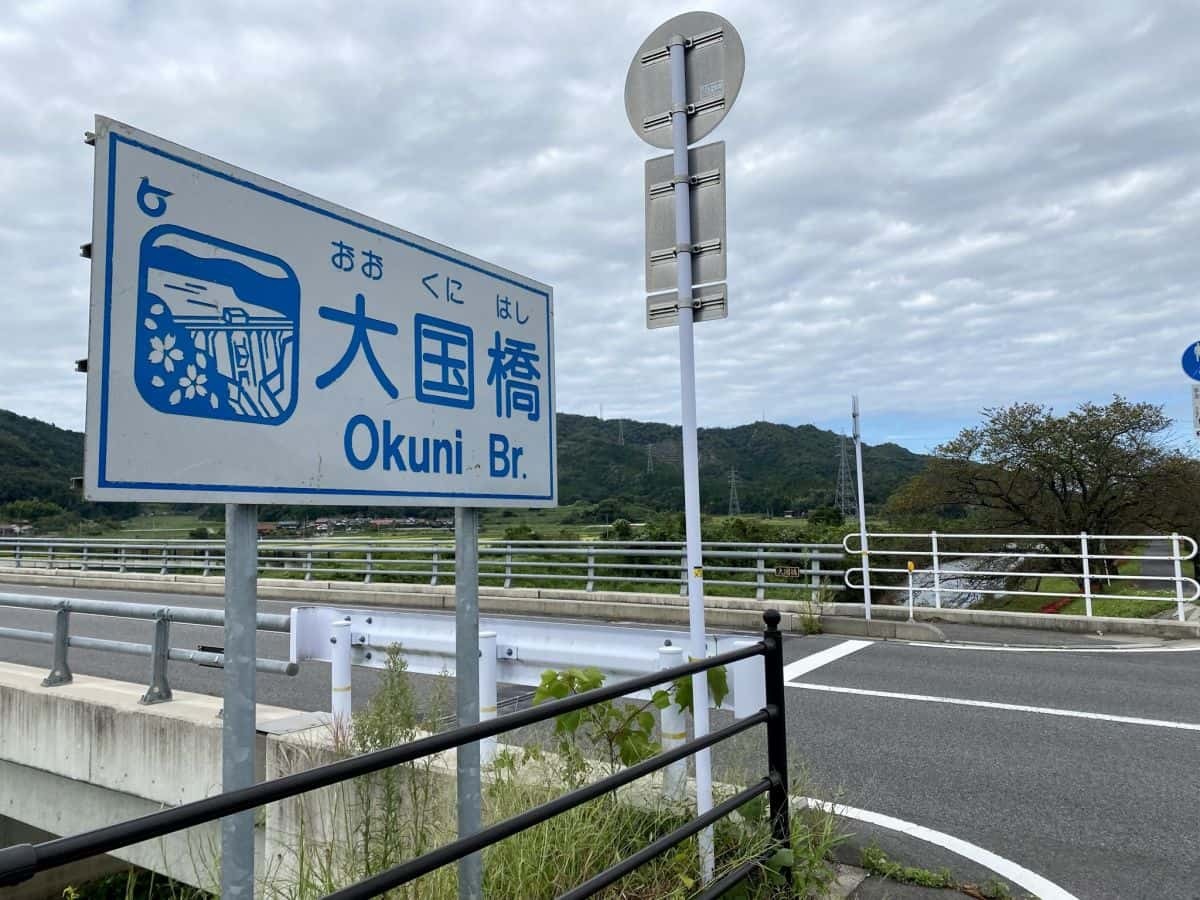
[[674, 732], [1178, 578], [339, 674], [487, 692], [1087, 574], [937, 574]]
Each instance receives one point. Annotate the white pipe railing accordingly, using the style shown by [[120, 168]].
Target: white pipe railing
[[580, 565], [1033, 547]]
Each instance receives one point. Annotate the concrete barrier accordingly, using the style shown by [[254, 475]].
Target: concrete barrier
[[87, 754], [661, 609]]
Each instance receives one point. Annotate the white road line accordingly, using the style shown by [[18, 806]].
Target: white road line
[[822, 658], [1011, 707], [1006, 868], [1189, 648]]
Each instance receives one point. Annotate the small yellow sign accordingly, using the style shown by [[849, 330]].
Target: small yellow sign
[[911, 566], [697, 571]]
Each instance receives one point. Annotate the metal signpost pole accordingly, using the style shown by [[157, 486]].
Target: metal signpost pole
[[862, 512], [691, 464], [466, 674], [238, 725]]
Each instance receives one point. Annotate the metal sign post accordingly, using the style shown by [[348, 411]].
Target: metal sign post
[[862, 510], [238, 725], [466, 674], [704, 66], [691, 456]]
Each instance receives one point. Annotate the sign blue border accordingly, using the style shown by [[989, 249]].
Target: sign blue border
[[103, 481]]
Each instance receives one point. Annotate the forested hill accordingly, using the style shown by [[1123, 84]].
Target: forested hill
[[779, 467], [38, 461]]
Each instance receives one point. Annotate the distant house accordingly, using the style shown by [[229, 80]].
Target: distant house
[[265, 528], [15, 529]]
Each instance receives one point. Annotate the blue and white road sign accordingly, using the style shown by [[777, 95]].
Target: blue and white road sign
[[1191, 361], [250, 343]]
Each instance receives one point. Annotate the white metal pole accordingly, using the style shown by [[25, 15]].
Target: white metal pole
[[911, 566], [466, 682], [673, 726], [862, 511], [238, 725], [1178, 578], [487, 692], [691, 466], [339, 676], [937, 575], [1087, 574]]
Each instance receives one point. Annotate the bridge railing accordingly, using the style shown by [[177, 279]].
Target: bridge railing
[[786, 570], [160, 651], [927, 566], [21, 862]]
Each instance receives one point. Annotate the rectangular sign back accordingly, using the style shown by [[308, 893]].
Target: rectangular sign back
[[252, 344]]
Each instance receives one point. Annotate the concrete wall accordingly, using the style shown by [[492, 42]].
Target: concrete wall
[[659, 609], [87, 754]]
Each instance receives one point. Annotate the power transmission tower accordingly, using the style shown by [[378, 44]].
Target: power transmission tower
[[735, 508], [846, 500], [649, 459], [620, 432]]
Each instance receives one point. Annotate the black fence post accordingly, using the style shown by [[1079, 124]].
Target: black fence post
[[781, 828]]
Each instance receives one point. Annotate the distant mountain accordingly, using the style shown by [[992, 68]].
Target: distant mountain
[[779, 467], [38, 461]]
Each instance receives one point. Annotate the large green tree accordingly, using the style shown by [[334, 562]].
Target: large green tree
[[1103, 469]]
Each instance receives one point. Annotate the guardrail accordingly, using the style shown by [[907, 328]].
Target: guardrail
[[1093, 567], [21, 862], [160, 651], [753, 568]]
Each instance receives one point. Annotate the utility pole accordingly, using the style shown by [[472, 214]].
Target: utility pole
[[862, 510]]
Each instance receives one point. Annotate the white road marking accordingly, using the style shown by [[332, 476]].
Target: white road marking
[[1006, 868], [1187, 648], [1011, 707], [822, 658]]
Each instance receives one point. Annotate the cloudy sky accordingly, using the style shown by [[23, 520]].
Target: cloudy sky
[[942, 206]]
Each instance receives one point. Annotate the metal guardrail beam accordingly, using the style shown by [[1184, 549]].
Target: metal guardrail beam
[[160, 651], [185, 615]]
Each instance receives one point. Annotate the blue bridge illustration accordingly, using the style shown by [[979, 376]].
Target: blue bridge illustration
[[217, 329]]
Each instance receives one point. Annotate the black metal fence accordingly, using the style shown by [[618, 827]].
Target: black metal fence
[[21, 862]]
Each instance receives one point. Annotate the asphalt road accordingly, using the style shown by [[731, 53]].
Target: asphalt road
[[1075, 759]]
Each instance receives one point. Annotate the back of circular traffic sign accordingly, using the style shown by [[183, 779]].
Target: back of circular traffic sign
[[715, 64]]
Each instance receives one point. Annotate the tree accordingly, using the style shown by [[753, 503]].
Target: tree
[[1026, 469], [1172, 503], [826, 515]]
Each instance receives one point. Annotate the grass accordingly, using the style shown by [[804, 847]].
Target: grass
[[1136, 603], [875, 861], [374, 822]]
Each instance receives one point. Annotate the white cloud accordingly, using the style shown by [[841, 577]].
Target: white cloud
[[943, 208]]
